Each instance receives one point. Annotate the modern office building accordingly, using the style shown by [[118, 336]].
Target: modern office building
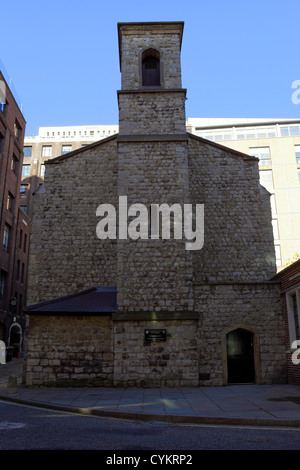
[[14, 223], [276, 142]]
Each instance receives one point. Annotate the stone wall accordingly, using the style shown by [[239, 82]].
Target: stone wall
[[95, 351], [152, 112], [154, 274], [164, 38], [69, 351], [66, 255], [251, 306], [173, 363], [238, 235]]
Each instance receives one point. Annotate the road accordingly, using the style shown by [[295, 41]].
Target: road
[[29, 428]]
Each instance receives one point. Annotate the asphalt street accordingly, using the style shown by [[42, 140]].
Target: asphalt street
[[30, 428]]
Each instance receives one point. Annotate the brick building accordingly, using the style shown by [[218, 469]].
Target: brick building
[[140, 308], [289, 279], [14, 223]]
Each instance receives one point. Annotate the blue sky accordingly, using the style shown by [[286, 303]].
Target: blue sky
[[239, 58]]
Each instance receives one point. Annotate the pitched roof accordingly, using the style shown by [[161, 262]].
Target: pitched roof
[[96, 300]]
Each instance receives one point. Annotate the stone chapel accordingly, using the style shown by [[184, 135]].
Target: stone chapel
[[146, 311]]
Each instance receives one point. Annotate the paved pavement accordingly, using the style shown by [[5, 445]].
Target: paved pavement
[[267, 405]]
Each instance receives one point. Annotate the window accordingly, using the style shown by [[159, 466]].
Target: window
[[263, 153], [21, 238], [278, 255], [23, 189], [22, 273], [24, 209], [293, 310], [295, 130], [47, 151], [275, 229], [6, 237], [25, 171], [3, 279], [297, 153], [20, 303], [266, 180], [25, 243], [296, 319], [289, 131], [151, 68], [42, 171], [66, 149], [27, 151], [18, 270], [1, 141], [17, 130], [14, 164], [10, 202]]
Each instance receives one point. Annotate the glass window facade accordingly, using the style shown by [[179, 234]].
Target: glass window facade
[[263, 153]]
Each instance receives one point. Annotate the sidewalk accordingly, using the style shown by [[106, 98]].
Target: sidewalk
[[267, 405]]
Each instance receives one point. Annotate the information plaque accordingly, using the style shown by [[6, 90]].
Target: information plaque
[[155, 335]]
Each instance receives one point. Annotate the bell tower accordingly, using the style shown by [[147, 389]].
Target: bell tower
[[151, 99], [153, 275]]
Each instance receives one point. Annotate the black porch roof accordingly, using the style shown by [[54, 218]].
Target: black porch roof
[[95, 300]]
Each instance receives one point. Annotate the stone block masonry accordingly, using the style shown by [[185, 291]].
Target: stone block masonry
[[173, 363], [64, 245], [255, 307], [75, 351], [70, 351]]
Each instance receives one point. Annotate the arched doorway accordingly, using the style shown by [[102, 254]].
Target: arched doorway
[[240, 356]]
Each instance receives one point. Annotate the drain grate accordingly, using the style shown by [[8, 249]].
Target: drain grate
[[160, 424]]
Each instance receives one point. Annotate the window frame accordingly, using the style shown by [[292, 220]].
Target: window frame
[[27, 147], [23, 171], [6, 237], [45, 153], [291, 313], [153, 55]]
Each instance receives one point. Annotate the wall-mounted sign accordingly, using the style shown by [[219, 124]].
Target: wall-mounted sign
[[155, 335]]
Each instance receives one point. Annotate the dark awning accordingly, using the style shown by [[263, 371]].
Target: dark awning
[[96, 300]]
